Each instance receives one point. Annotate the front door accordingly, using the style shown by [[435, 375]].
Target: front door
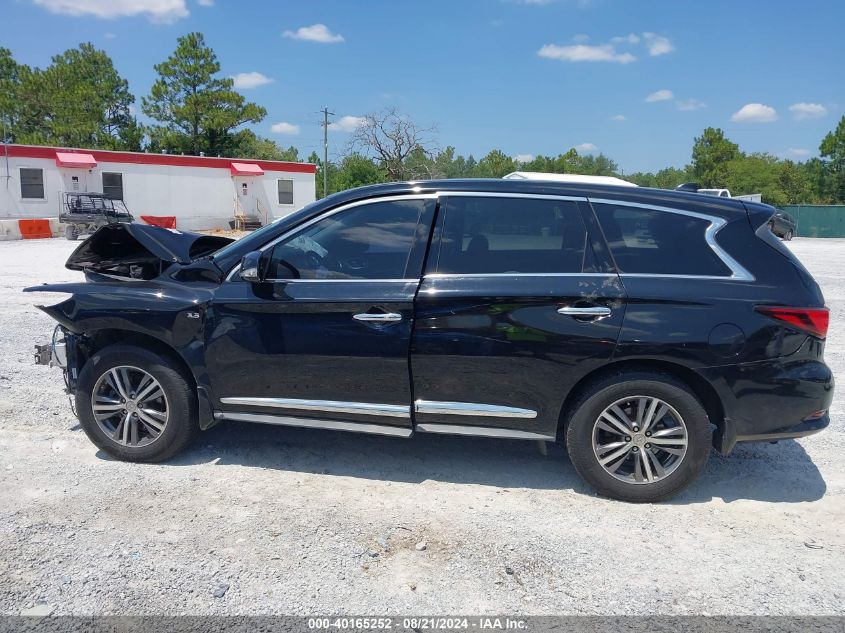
[[516, 306], [324, 341]]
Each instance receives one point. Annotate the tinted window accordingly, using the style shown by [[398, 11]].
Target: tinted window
[[367, 242], [32, 183], [658, 242], [113, 185], [487, 235], [285, 191]]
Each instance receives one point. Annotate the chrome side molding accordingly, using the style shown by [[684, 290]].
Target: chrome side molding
[[471, 408], [313, 423], [330, 406], [482, 431]]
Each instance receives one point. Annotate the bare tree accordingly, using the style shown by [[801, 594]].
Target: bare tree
[[391, 138]]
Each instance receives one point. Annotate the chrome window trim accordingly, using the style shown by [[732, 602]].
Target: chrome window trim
[[327, 214], [331, 406], [479, 275], [482, 431], [738, 271], [314, 423], [471, 408], [508, 194]]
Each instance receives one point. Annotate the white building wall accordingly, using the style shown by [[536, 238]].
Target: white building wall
[[199, 197]]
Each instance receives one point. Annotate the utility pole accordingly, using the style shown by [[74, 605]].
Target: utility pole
[[326, 114]]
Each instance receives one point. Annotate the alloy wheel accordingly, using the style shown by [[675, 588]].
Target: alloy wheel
[[640, 439], [130, 406]]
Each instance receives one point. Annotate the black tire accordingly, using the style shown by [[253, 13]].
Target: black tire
[[788, 236], [71, 233], [181, 426], [602, 394]]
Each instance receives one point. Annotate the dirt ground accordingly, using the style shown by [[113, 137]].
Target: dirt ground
[[268, 520]]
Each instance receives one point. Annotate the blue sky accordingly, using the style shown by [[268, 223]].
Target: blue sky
[[526, 76]]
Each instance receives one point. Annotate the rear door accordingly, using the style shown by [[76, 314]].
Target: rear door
[[517, 304]]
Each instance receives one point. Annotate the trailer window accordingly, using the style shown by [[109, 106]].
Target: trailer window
[[32, 183], [113, 185], [285, 191]]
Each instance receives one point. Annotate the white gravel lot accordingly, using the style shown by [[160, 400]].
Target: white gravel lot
[[297, 521]]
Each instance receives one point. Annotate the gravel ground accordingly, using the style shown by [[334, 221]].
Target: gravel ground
[[267, 520]]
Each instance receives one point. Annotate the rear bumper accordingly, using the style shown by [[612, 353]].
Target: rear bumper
[[771, 401], [725, 439]]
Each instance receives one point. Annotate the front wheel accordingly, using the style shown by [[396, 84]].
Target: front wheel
[[71, 233], [135, 404], [788, 237], [639, 436]]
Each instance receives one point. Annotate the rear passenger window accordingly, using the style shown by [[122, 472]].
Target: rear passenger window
[[489, 235], [658, 242]]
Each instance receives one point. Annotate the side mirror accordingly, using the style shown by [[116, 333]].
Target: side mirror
[[251, 268]]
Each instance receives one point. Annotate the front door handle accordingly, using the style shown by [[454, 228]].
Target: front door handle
[[588, 312], [378, 317]]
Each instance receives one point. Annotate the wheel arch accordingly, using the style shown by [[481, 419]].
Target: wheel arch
[[99, 339], [703, 390]]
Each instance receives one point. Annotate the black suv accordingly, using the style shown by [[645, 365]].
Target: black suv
[[639, 326]]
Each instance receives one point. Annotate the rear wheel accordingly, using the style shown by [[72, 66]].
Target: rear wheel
[[639, 436], [71, 232], [788, 236], [135, 404]]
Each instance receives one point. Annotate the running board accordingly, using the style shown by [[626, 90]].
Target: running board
[[314, 423], [382, 429], [482, 431]]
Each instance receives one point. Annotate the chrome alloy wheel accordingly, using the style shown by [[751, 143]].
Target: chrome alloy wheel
[[640, 439], [130, 406]]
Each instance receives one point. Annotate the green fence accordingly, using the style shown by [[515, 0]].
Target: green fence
[[818, 220]]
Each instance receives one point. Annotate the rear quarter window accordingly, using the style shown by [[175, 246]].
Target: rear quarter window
[[648, 241]]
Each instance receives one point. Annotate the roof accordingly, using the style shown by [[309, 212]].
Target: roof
[[151, 158], [579, 178]]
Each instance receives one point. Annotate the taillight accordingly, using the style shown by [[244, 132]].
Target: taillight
[[812, 320]]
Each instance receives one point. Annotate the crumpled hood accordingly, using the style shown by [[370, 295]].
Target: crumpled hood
[[141, 251]]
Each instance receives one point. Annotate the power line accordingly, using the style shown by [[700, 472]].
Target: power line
[[326, 114]]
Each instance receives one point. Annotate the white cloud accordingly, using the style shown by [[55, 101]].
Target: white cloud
[[524, 158], [755, 113], [586, 148], [284, 128], [109, 35], [585, 53], [314, 33], [798, 152], [161, 11], [205, 3], [347, 123], [618, 117], [687, 105], [657, 44], [631, 38], [580, 38], [660, 95], [245, 81], [807, 110]]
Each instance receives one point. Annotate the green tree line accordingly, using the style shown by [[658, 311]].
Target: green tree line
[[80, 100]]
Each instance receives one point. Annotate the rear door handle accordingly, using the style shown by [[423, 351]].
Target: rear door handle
[[378, 317], [591, 311]]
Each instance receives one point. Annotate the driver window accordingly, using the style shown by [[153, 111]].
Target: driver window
[[372, 241]]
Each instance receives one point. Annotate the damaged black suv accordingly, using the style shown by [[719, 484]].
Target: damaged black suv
[[639, 326]]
